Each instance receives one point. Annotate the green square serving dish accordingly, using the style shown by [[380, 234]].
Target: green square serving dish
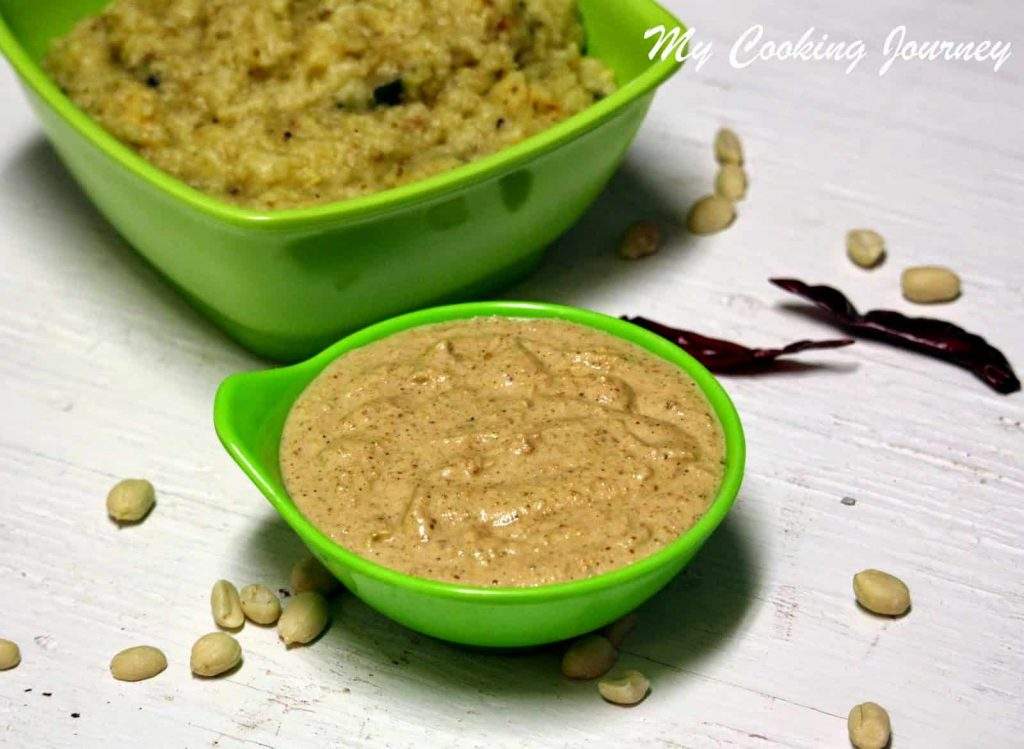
[[286, 283]]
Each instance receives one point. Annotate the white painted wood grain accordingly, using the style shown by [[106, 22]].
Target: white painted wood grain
[[105, 372]]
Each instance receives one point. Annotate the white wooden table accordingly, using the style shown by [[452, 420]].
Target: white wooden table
[[105, 372]]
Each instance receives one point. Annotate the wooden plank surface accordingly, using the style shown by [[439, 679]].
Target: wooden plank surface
[[105, 372]]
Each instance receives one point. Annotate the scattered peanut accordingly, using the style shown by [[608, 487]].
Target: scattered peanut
[[619, 630], [214, 654], [589, 657], [10, 655], [226, 606], [869, 726], [929, 284], [138, 663], [628, 689], [881, 592], [641, 239], [310, 574], [304, 618], [260, 604], [710, 214], [731, 182], [865, 247], [728, 149], [130, 500]]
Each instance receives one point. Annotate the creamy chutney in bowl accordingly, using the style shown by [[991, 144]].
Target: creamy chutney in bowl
[[502, 452]]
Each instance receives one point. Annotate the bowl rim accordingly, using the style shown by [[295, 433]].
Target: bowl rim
[[325, 547], [424, 190]]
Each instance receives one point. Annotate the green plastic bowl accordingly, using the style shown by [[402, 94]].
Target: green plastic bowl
[[287, 283], [249, 415]]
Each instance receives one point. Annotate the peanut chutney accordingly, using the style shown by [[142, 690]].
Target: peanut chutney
[[283, 103], [502, 452]]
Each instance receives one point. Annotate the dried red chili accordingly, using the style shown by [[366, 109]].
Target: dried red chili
[[937, 338], [725, 356]]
